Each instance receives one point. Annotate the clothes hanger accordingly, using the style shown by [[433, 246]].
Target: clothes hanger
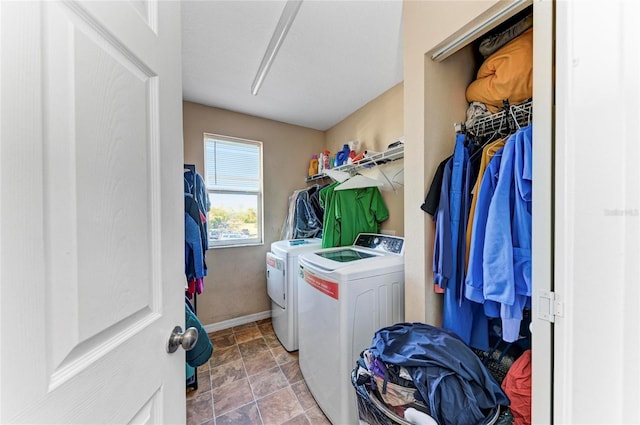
[[491, 138], [337, 175], [358, 181]]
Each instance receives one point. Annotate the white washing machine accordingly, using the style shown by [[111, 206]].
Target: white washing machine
[[345, 295], [282, 287]]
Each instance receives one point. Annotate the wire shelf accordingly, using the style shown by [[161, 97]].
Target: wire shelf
[[503, 122], [380, 158]]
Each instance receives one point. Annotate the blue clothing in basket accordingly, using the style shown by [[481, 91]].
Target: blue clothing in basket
[[446, 372]]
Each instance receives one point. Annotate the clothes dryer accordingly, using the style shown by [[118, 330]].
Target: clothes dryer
[[282, 287], [345, 295]]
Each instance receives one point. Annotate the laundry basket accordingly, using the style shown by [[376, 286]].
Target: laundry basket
[[373, 411], [370, 409]]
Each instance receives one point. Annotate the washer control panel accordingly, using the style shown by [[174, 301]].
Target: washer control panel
[[386, 243]]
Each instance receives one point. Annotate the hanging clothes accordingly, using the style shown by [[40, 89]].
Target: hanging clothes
[[432, 200], [307, 223], [304, 215], [288, 228], [460, 315], [330, 230], [442, 257], [507, 249], [196, 208], [474, 281], [194, 185], [499, 268], [488, 152], [194, 256], [196, 243], [356, 211]]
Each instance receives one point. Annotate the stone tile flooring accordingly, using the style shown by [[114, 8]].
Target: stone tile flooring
[[251, 379]]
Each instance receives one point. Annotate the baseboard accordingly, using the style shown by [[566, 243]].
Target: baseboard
[[237, 321]]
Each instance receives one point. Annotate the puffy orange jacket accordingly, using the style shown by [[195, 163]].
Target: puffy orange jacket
[[506, 74]]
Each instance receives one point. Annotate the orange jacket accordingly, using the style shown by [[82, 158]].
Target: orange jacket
[[506, 74]]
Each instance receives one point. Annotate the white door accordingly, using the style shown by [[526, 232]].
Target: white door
[[597, 221], [91, 239]]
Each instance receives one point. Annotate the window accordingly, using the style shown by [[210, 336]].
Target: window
[[233, 175]]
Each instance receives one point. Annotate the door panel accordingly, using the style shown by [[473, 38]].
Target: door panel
[[100, 144], [597, 338], [91, 213]]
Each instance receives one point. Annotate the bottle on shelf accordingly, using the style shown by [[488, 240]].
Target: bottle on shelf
[[313, 165], [350, 158], [342, 155], [326, 160]]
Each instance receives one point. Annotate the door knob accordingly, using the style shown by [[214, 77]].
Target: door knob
[[186, 339]]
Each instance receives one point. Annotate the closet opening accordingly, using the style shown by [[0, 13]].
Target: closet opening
[[481, 121]]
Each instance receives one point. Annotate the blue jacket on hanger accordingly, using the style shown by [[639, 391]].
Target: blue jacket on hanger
[[460, 315], [507, 249]]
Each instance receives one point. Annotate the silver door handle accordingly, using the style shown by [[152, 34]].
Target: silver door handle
[[186, 339]]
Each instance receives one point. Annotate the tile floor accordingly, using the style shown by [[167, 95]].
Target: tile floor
[[251, 379]]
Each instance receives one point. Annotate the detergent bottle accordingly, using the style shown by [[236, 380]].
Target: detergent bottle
[[341, 156], [313, 165], [326, 163]]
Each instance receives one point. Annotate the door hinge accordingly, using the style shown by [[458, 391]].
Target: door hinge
[[549, 307]]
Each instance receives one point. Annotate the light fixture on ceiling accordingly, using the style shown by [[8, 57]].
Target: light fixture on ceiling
[[286, 19]]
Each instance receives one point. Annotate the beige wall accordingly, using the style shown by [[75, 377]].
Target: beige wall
[[433, 102], [376, 125], [236, 282]]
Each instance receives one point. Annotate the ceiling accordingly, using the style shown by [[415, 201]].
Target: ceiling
[[337, 56]]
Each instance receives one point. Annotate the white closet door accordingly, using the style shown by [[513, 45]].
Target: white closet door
[[542, 219], [92, 248], [597, 203]]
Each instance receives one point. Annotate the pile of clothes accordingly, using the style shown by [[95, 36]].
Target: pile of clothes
[[507, 73], [428, 375]]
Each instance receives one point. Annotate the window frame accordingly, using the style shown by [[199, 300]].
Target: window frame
[[259, 193]]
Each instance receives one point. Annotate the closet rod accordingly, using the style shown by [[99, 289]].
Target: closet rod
[[475, 29]]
